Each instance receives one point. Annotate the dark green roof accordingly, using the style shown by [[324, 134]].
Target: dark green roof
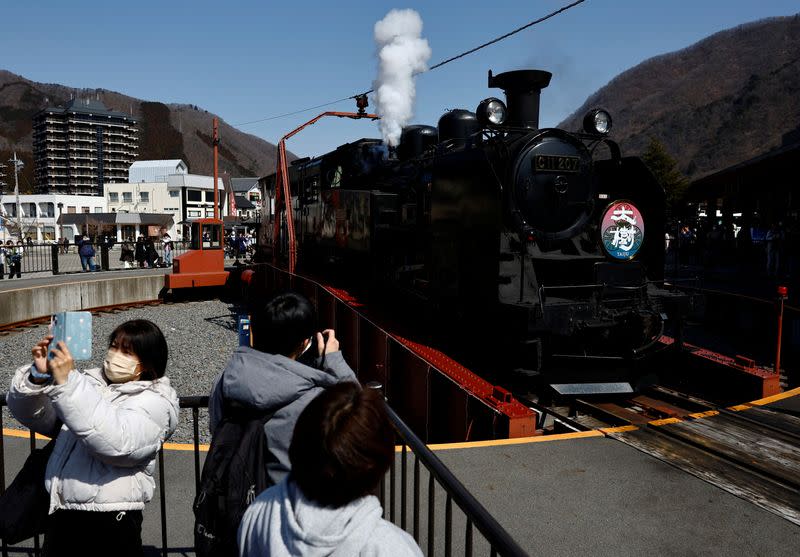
[[88, 106]]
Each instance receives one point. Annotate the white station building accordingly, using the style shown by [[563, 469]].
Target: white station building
[[37, 215], [165, 186]]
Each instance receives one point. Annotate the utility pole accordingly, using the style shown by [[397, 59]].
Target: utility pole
[[216, 148], [3, 218], [17, 167]]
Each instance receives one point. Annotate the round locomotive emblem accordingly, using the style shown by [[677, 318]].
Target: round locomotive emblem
[[622, 230]]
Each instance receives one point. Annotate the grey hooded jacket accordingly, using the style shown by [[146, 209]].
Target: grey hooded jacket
[[274, 383], [282, 522]]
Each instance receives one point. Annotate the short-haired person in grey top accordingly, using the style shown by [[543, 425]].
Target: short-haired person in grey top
[[343, 444], [269, 376]]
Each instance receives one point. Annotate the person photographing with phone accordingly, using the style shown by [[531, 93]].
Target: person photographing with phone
[[110, 423]]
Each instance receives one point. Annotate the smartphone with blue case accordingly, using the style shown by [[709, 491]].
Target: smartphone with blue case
[[244, 331], [74, 328]]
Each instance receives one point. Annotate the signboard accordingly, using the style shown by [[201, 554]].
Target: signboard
[[622, 230], [153, 231]]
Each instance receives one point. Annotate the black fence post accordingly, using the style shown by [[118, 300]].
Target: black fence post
[[54, 257], [104, 257]]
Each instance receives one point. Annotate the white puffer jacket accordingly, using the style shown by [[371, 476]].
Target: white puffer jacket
[[104, 457]]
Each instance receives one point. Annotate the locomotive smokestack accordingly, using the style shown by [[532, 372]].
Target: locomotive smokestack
[[522, 89]]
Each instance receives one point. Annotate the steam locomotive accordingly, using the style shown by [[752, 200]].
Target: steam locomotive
[[515, 244]]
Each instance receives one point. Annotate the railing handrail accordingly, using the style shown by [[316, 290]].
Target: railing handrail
[[495, 534], [497, 537]]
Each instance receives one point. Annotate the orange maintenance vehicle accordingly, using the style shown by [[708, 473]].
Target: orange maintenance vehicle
[[204, 263]]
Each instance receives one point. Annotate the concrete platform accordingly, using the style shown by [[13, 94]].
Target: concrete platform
[[24, 299], [576, 496], [179, 477], [596, 496]]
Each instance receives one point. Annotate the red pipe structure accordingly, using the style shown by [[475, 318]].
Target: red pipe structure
[[783, 293], [282, 184]]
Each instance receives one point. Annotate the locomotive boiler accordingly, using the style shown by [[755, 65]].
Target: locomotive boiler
[[514, 245]]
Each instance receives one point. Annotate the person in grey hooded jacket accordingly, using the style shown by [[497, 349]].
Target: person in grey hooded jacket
[[343, 444], [272, 376]]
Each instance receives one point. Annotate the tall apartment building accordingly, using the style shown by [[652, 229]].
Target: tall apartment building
[[80, 147]]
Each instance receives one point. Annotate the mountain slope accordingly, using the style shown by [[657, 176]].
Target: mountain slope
[[166, 131], [723, 100]]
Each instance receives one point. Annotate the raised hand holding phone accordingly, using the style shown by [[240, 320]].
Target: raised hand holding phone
[[39, 353], [61, 363]]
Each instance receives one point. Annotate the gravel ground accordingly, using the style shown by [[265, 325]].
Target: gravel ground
[[201, 335]]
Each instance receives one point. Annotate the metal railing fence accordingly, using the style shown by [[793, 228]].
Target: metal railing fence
[[59, 259], [499, 542]]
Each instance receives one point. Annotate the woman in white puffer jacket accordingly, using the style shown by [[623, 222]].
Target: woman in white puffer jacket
[[112, 422]]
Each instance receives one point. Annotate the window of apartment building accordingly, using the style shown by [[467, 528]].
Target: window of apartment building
[[127, 197], [113, 197], [47, 210], [11, 209], [194, 195], [193, 213], [28, 209], [210, 196], [174, 193], [210, 213], [71, 209], [48, 233], [98, 209], [144, 196], [85, 210]]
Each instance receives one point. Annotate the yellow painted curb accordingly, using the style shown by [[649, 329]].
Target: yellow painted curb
[[775, 398], [516, 441], [503, 442], [22, 433]]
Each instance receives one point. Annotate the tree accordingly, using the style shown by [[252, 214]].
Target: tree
[[666, 171]]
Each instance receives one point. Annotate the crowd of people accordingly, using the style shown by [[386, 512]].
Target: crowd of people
[[328, 441], [143, 252], [772, 250], [239, 245]]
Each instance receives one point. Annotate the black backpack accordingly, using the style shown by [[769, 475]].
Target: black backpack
[[234, 473]]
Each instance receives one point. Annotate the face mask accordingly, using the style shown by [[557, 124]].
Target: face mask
[[120, 368]]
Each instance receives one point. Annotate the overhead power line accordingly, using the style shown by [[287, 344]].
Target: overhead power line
[[435, 66], [285, 114]]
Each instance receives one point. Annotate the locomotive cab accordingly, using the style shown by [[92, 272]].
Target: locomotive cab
[[204, 263]]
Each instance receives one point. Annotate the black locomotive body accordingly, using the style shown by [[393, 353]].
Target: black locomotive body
[[509, 239]]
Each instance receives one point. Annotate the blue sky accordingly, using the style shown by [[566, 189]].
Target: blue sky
[[247, 60]]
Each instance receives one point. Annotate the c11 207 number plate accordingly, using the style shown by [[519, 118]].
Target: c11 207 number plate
[[556, 163]]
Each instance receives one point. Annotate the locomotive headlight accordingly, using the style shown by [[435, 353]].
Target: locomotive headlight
[[597, 121], [491, 111]]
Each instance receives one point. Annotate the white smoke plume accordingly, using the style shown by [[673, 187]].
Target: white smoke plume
[[402, 52]]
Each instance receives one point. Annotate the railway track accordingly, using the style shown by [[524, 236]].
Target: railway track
[[750, 451], [19, 326]]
